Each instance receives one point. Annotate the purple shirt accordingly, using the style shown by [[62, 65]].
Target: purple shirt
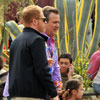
[[5, 92], [56, 76]]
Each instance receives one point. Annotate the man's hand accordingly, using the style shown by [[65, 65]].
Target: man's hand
[[71, 70], [50, 61]]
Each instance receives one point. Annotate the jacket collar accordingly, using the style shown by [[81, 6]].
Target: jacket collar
[[33, 30]]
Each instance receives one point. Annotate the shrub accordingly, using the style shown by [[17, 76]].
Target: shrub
[[80, 67]]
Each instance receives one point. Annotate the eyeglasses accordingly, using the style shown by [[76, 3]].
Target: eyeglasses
[[44, 19]]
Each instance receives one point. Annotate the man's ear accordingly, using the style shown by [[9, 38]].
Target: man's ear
[[46, 22], [74, 92], [34, 21]]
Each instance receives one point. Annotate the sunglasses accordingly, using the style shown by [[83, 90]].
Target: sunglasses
[[44, 19]]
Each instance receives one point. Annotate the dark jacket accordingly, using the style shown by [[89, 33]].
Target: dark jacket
[[29, 72]]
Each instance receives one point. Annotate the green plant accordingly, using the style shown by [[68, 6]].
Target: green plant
[[80, 67], [9, 28], [73, 35]]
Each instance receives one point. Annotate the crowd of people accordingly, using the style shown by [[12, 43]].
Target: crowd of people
[[35, 71]]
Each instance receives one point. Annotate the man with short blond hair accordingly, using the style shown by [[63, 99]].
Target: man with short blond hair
[[29, 77]]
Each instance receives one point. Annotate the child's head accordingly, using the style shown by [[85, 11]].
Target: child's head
[[74, 88]]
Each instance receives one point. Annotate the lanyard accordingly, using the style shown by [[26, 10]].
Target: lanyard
[[52, 43]]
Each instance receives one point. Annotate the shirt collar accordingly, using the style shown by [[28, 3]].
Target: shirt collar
[[49, 38]]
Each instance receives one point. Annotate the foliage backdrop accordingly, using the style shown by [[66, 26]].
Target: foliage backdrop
[[75, 33]]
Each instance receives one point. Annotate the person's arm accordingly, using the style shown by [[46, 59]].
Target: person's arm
[[56, 76], [93, 68], [50, 61], [5, 91], [41, 67]]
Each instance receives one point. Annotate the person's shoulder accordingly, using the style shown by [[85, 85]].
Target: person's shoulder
[[95, 54], [77, 76], [16, 39]]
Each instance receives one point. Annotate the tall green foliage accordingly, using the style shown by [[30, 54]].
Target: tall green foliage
[[75, 31], [80, 67], [1, 20], [96, 32], [10, 28], [67, 25]]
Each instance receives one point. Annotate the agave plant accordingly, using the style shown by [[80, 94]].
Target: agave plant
[[75, 32], [9, 28]]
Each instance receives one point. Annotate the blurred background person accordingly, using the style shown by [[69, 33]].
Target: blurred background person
[[94, 69]]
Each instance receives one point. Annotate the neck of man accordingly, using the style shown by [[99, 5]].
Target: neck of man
[[65, 74], [49, 34], [31, 26]]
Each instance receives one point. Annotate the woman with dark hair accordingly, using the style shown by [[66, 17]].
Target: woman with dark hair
[[94, 69]]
